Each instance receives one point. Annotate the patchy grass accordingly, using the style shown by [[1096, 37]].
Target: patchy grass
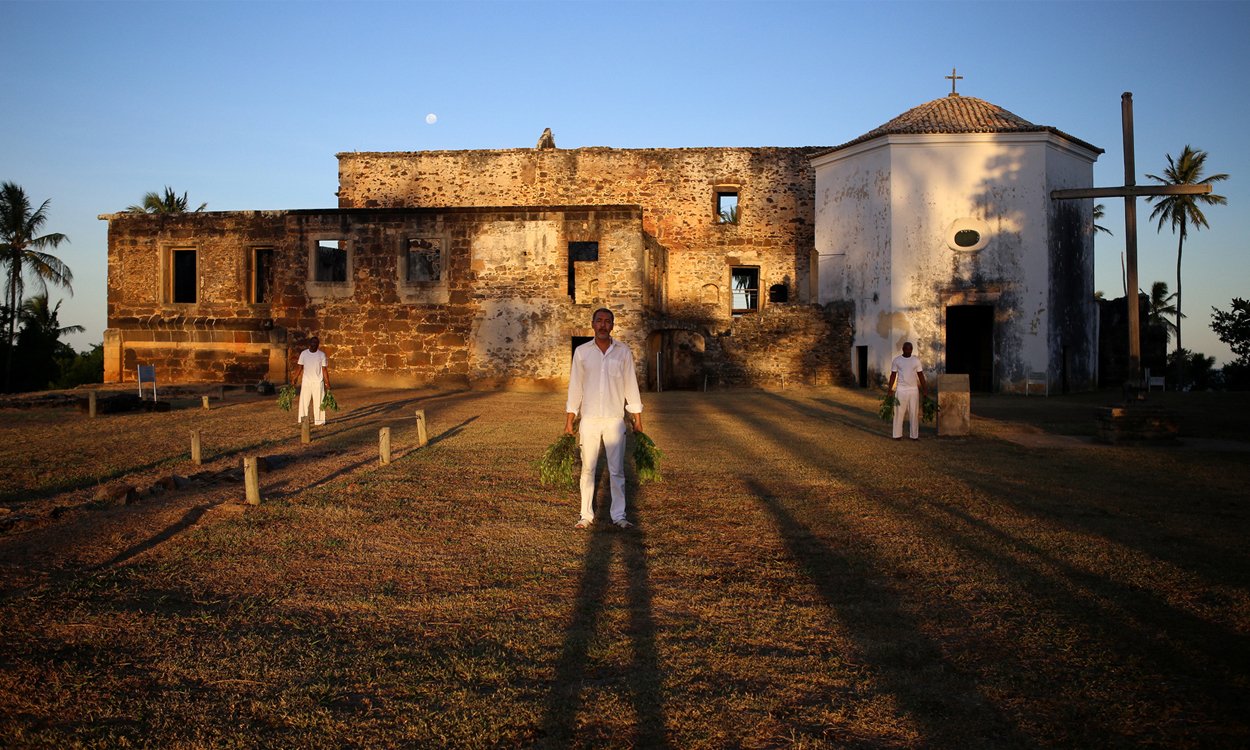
[[797, 580]]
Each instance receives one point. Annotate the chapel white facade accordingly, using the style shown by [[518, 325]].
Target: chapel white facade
[[938, 227]]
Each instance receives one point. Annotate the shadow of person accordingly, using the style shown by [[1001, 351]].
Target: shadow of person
[[578, 671]]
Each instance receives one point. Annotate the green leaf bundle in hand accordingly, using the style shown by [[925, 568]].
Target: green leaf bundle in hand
[[328, 403], [646, 458], [556, 467], [886, 412], [286, 396], [929, 409]]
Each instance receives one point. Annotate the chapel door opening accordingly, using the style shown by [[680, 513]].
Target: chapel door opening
[[970, 344], [861, 366]]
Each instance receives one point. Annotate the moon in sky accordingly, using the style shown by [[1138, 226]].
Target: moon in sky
[[431, 118]]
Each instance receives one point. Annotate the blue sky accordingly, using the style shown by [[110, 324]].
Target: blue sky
[[244, 105]]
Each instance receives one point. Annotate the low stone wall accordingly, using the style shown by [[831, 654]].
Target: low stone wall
[[783, 345]]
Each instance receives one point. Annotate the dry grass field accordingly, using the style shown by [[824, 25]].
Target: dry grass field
[[796, 580]]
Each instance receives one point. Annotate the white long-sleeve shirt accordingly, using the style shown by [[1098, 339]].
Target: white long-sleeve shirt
[[600, 383]]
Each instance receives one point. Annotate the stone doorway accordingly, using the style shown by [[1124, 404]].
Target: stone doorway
[[970, 344], [675, 360]]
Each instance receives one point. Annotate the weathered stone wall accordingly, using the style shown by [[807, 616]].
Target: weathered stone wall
[[219, 338], [676, 189], [501, 313], [785, 345], [510, 302]]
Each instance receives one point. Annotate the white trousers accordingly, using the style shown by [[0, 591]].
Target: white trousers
[[311, 391], [909, 403], [610, 433]]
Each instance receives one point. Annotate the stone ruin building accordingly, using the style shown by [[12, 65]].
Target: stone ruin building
[[757, 267]]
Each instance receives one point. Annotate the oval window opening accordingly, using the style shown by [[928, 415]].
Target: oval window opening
[[967, 237]]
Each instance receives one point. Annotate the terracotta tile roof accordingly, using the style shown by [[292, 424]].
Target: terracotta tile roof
[[958, 114]]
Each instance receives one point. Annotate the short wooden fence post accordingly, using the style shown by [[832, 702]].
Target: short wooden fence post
[[305, 430], [91, 404], [384, 445], [251, 480], [195, 447], [422, 438], [204, 402]]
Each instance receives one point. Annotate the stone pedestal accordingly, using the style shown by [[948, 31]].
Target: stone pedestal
[[1136, 424], [954, 405]]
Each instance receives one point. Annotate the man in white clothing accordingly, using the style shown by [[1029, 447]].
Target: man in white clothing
[[907, 372], [603, 386], [314, 377]]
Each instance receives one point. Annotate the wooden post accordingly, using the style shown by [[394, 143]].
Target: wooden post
[[305, 430], [422, 438], [195, 447], [91, 404], [251, 480], [204, 402], [1130, 241], [384, 445]]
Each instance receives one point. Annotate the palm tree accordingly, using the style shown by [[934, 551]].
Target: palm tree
[[39, 344], [22, 250], [170, 203], [36, 315], [1162, 305], [1099, 212], [1182, 211]]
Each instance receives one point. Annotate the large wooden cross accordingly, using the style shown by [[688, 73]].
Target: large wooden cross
[[1129, 191]]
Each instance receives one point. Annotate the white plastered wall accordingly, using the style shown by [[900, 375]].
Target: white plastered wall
[[885, 210]]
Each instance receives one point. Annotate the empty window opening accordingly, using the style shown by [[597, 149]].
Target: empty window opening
[[184, 278], [330, 265], [746, 290], [262, 275], [580, 252], [779, 293], [424, 261], [727, 206]]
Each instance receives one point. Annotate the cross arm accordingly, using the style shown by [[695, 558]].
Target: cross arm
[[1130, 191]]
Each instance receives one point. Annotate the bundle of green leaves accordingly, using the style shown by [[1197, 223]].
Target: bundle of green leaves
[[929, 409], [886, 411], [286, 396], [328, 402], [557, 466], [646, 458]]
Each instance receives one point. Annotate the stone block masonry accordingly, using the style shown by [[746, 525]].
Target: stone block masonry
[[483, 268], [496, 313]]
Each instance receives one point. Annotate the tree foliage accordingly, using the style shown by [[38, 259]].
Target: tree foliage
[[1233, 327], [169, 203], [41, 354], [22, 252], [1182, 212], [1162, 305], [1201, 368]]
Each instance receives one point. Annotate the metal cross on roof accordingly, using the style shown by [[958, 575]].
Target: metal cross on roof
[[952, 78]]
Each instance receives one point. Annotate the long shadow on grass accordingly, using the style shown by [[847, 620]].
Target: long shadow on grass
[[929, 688], [575, 673], [1128, 621], [321, 481], [188, 520]]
